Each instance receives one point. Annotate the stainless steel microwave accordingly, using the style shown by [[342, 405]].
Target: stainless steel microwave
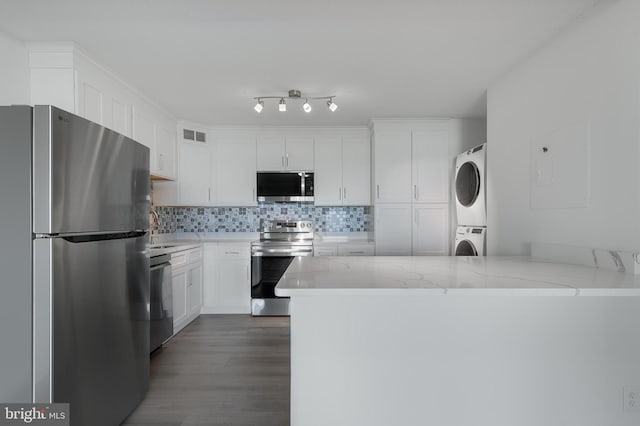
[[282, 187]]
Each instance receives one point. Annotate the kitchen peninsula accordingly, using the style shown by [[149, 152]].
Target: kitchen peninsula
[[461, 341]]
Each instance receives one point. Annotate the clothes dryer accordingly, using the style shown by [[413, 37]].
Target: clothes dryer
[[470, 241], [471, 208]]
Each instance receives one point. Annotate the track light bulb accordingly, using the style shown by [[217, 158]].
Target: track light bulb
[[282, 106], [306, 107], [332, 106], [259, 106]]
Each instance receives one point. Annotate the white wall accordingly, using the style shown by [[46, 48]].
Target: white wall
[[14, 72], [589, 75]]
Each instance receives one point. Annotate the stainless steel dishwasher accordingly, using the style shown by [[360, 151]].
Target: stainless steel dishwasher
[[161, 309]]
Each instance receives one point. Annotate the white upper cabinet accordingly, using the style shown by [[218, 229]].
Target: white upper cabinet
[[165, 159], [298, 153], [271, 153], [430, 166], [63, 76], [411, 162], [144, 131], [195, 183], [342, 171], [328, 171], [236, 171], [356, 171], [284, 152], [392, 166]]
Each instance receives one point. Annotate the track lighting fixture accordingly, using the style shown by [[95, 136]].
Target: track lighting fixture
[[296, 95]]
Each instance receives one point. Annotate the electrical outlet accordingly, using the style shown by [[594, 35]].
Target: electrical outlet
[[632, 398]]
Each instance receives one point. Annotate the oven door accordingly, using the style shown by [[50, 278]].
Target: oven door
[[268, 264]]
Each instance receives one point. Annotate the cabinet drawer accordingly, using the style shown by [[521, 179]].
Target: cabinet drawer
[[325, 251], [356, 250], [194, 255], [232, 251], [178, 259]]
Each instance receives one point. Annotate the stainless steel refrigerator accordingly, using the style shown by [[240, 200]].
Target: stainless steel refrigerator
[[74, 292]]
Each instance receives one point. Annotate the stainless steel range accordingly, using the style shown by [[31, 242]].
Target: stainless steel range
[[280, 243]]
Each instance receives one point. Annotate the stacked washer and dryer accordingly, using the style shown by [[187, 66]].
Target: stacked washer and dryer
[[471, 203]]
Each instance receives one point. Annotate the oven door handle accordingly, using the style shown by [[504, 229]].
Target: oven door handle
[[282, 252]]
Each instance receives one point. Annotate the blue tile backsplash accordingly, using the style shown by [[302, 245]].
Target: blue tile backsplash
[[248, 219]]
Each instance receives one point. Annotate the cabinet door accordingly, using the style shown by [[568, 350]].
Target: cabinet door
[[120, 117], [392, 166], [232, 287], [90, 102], [144, 131], [180, 281], [430, 229], [328, 172], [194, 183], [356, 172], [393, 229], [236, 171], [194, 291], [271, 156], [430, 166], [299, 154], [165, 152]]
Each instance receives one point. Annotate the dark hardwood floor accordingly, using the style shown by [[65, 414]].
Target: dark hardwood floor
[[228, 370]]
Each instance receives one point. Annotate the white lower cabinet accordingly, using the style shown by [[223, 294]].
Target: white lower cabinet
[[418, 229], [187, 286], [344, 249], [227, 278], [430, 229]]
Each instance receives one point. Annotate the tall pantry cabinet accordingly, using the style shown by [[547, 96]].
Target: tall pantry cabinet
[[411, 187]]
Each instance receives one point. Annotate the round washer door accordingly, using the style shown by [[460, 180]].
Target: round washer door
[[468, 184], [466, 248]]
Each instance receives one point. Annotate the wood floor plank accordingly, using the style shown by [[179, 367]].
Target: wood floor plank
[[231, 370]]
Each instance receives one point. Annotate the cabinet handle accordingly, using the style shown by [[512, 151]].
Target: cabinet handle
[[415, 192], [378, 192], [231, 252], [209, 193], [287, 163], [356, 252], [345, 193]]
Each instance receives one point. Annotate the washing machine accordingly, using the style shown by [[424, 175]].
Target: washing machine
[[470, 241], [471, 204]]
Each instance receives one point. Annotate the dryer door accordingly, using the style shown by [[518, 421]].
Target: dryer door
[[468, 184], [466, 248]]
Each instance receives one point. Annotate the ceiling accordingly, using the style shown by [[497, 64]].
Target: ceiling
[[204, 60]]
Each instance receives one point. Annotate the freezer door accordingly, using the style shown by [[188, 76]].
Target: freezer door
[[91, 318], [87, 178]]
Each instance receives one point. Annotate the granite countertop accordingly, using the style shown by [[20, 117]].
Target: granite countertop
[[450, 275]]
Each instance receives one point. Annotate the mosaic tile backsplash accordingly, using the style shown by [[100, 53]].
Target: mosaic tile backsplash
[[248, 219]]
